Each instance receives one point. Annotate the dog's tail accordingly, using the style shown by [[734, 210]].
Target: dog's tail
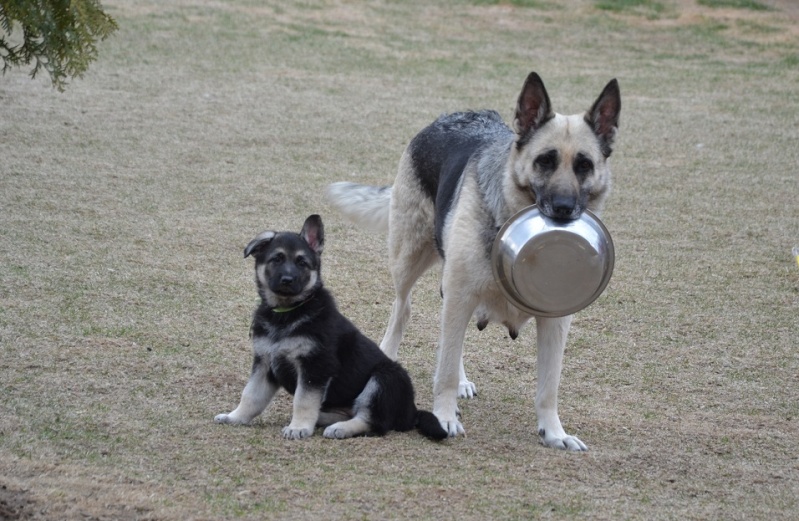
[[428, 425], [365, 205]]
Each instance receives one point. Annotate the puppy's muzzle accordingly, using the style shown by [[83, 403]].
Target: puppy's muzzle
[[286, 284]]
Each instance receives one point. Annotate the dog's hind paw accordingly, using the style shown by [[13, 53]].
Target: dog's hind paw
[[291, 433], [347, 429], [336, 434], [467, 389], [564, 442]]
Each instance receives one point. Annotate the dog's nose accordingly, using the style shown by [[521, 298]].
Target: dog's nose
[[563, 206], [286, 280]]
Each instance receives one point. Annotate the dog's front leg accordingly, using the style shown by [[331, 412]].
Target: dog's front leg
[[259, 391], [455, 317], [552, 333], [307, 406]]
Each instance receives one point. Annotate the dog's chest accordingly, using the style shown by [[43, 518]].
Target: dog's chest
[[284, 351]]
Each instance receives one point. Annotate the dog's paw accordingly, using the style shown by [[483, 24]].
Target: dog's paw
[[467, 389], [453, 427], [337, 433], [347, 429], [292, 433], [229, 419], [564, 442]]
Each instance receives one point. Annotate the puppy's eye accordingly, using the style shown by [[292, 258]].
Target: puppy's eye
[[302, 262], [277, 258]]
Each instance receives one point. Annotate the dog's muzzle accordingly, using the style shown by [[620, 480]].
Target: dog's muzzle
[[286, 285], [562, 207]]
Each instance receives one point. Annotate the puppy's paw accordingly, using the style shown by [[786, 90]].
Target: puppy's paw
[[336, 433], [563, 442], [293, 433], [229, 419], [466, 389]]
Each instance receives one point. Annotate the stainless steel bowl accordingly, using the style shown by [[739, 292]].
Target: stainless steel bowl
[[552, 268]]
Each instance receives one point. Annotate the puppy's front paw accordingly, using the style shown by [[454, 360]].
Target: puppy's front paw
[[293, 433], [229, 419]]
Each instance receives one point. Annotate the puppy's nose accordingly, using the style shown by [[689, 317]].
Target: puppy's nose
[[286, 280]]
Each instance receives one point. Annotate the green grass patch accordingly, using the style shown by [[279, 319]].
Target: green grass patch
[[648, 8], [752, 5]]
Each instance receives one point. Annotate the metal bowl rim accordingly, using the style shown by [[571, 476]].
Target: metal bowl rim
[[505, 284]]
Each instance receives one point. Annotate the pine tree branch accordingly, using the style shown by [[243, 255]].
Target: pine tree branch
[[58, 36]]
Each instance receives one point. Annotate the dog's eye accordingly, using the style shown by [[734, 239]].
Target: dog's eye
[[302, 262], [547, 161], [583, 165], [277, 258]]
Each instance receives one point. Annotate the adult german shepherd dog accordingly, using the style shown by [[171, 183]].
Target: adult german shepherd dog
[[459, 180], [339, 378]]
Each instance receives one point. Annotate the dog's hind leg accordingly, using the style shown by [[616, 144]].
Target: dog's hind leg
[[333, 416], [407, 265], [361, 422], [551, 336], [411, 249]]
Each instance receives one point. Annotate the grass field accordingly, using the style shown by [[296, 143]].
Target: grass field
[[125, 203]]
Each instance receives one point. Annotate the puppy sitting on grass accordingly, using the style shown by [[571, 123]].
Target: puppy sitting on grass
[[339, 378]]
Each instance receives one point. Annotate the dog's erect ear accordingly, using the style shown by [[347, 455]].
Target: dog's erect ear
[[259, 243], [314, 233], [604, 116], [533, 108]]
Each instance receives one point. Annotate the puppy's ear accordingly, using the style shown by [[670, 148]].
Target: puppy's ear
[[260, 242], [533, 108], [314, 233], [604, 116]]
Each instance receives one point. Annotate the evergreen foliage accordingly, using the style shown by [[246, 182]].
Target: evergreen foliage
[[58, 36]]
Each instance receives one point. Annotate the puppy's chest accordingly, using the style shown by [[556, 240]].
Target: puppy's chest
[[285, 355]]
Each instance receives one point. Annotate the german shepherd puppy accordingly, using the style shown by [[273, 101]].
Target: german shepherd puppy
[[339, 378], [459, 180]]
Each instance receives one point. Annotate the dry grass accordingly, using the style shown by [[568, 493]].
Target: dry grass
[[124, 301]]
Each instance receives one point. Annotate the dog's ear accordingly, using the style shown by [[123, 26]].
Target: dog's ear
[[260, 242], [313, 231], [533, 108], [604, 116]]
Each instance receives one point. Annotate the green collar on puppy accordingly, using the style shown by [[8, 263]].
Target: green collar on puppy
[[286, 310]]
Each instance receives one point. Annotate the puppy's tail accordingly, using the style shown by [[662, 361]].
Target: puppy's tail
[[428, 425], [365, 205]]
